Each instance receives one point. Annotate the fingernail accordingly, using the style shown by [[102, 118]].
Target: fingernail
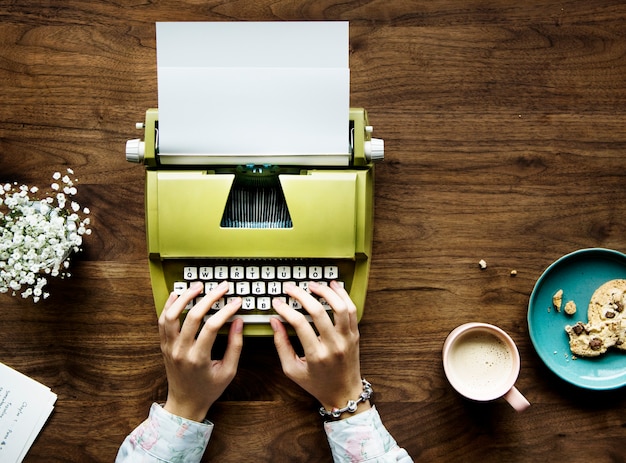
[[223, 284], [288, 285], [238, 326], [314, 284], [197, 285]]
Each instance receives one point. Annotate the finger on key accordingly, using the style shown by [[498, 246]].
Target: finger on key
[[163, 331], [343, 308], [174, 307], [352, 310], [314, 308], [215, 322], [196, 314], [302, 327]]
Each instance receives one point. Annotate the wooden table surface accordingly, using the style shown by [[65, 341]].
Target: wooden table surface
[[505, 131]]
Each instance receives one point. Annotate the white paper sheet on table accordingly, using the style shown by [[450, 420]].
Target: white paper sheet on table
[[25, 406], [279, 88]]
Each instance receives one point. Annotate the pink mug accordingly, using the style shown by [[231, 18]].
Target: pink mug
[[482, 363]]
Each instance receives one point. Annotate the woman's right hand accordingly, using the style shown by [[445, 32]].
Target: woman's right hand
[[330, 368]]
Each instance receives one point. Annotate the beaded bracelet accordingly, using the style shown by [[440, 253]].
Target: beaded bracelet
[[352, 404]]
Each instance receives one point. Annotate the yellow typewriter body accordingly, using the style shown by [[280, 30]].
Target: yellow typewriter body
[[330, 208]]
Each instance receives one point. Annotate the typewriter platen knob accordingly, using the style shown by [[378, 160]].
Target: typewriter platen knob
[[135, 150], [374, 149]]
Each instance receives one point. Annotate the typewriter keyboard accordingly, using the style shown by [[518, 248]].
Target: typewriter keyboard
[[257, 285]]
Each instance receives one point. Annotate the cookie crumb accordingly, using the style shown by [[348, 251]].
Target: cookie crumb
[[482, 263], [557, 300], [513, 273], [570, 308]]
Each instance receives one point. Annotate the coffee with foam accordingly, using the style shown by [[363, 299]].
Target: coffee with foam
[[481, 361]]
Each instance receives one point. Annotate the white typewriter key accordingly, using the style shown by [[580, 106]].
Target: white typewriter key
[[274, 288], [304, 285], [231, 288], [220, 272], [315, 272], [268, 272], [283, 272], [205, 273], [190, 273], [237, 272], [258, 287], [264, 303], [210, 286], [242, 288], [180, 287], [294, 303], [331, 272], [219, 304], [252, 272], [299, 272], [248, 303]]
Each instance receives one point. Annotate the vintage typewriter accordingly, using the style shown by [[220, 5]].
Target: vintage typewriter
[[259, 221]]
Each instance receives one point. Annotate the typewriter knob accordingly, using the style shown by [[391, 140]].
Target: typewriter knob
[[374, 149], [135, 150]]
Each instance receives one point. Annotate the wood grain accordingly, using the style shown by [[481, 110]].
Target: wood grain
[[504, 130]]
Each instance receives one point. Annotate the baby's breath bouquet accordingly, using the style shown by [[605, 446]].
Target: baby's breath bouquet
[[38, 234]]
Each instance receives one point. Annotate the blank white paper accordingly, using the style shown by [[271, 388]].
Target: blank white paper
[[237, 88]]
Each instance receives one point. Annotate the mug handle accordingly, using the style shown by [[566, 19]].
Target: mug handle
[[516, 399]]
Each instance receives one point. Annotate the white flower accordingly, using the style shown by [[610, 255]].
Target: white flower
[[37, 236]]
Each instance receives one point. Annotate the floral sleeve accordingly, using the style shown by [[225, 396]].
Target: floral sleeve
[[165, 438], [363, 438]]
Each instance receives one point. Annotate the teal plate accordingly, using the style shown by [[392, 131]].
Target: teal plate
[[578, 274]]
